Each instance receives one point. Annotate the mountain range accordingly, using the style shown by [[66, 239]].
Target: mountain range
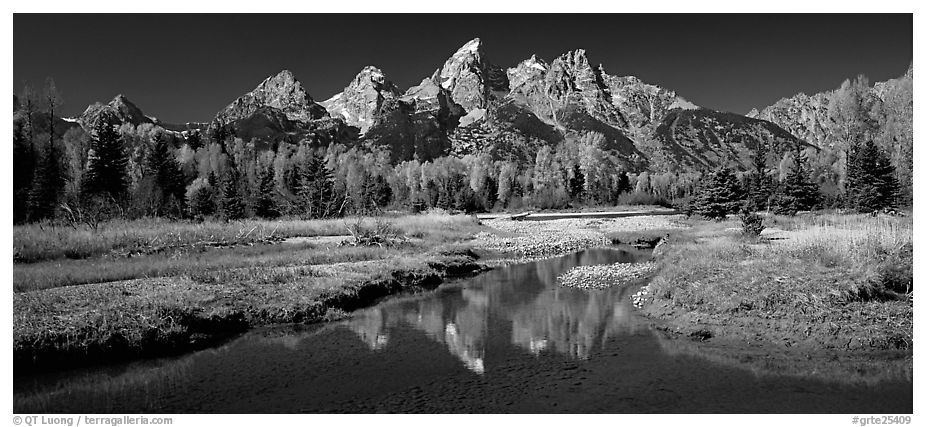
[[471, 105], [808, 116]]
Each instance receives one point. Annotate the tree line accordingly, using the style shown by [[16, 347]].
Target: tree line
[[120, 170], [871, 186]]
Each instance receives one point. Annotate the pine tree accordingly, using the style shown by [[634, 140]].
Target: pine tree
[[576, 183], [164, 170], [194, 140], [49, 180], [316, 188], [25, 155], [202, 201], [856, 175], [106, 162], [797, 192], [871, 184], [488, 194], [720, 195], [231, 207], [23, 172], [265, 204], [47, 186], [758, 185], [623, 184], [219, 134], [381, 193], [203, 198]]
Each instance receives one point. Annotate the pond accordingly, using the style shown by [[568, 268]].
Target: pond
[[510, 340]]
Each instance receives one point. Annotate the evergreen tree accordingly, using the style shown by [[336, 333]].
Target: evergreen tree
[[871, 184], [202, 196], [49, 179], [758, 184], [316, 188], [798, 192], [202, 201], [265, 203], [164, 170], [106, 162], [623, 184], [52, 100], [232, 206], [25, 154], [219, 134], [194, 140], [489, 193], [720, 195], [23, 172], [381, 193], [576, 183], [29, 105], [48, 183]]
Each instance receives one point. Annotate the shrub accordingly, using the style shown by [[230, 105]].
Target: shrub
[[383, 233], [896, 270], [752, 225]]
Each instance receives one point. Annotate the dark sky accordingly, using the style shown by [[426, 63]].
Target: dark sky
[[186, 67]]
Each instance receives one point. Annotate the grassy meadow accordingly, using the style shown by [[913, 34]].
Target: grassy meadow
[[49, 256], [148, 287], [828, 280]]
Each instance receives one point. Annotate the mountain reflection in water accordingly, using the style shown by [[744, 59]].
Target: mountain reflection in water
[[543, 315]]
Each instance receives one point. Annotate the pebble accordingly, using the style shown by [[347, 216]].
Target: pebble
[[540, 239], [605, 276], [640, 297]]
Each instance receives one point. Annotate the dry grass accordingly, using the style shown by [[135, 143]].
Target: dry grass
[[48, 241], [155, 248], [843, 238], [53, 274], [849, 269]]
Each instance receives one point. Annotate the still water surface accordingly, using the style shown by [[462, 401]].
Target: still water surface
[[510, 340]]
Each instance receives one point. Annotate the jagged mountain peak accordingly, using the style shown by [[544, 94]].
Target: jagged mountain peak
[[525, 71], [283, 76], [359, 102], [283, 83], [470, 78], [372, 74], [535, 62], [281, 91], [576, 59], [471, 47], [574, 66], [119, 109]]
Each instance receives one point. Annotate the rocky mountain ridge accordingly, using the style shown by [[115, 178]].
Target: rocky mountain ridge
[[120, 109], [810, 117], [469, 105]]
